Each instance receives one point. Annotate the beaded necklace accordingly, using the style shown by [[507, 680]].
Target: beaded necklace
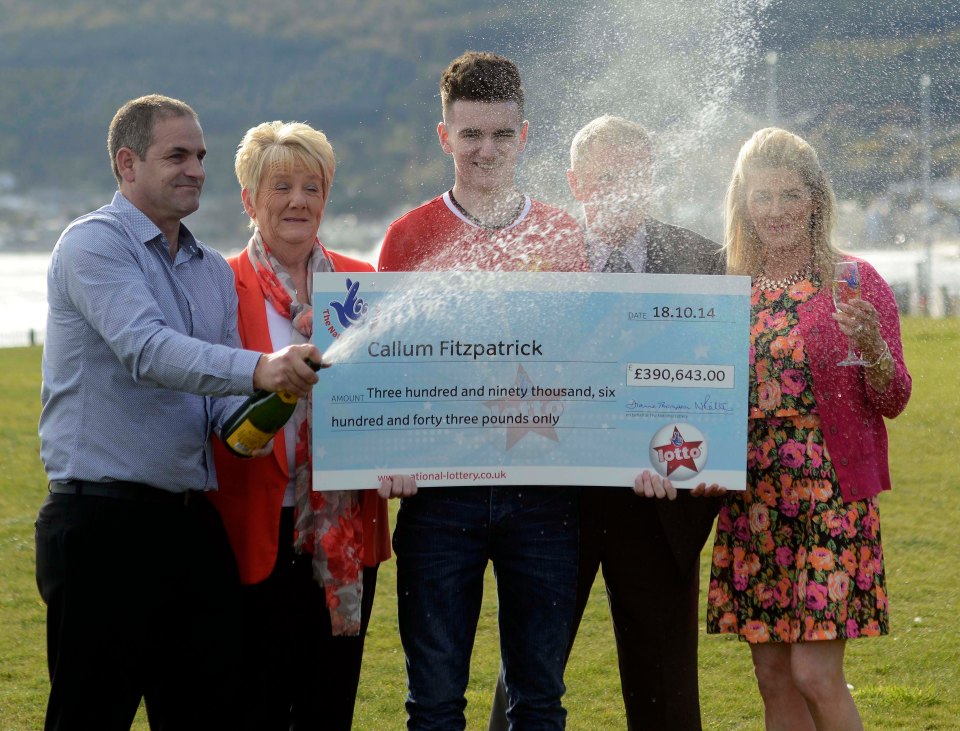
[[764, 282]]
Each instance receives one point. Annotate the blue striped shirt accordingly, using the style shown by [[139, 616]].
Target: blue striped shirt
[[136, 348]]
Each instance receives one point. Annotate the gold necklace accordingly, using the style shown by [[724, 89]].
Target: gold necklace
[[764, 282]]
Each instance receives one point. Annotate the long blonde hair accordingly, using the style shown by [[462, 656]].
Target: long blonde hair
[[776, 148]]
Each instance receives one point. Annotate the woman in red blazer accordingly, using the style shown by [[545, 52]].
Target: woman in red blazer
[[308, 561]]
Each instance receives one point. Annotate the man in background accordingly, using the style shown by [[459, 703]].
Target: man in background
[[648, 549], [132, 561], [647, 544]]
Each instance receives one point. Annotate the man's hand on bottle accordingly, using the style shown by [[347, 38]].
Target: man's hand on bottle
[[265, 451], [287, 370]]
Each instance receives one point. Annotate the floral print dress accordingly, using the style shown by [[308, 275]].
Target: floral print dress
[[792, 562]]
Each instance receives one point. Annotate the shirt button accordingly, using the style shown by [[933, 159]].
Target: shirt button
[[843, 461], [833, 430]]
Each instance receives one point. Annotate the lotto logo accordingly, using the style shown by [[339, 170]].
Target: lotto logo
[[678, 451]]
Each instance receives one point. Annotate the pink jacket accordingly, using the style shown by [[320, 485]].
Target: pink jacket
[[851, 412]]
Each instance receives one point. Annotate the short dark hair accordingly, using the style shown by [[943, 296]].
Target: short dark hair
[[481, 77], [132, 125]]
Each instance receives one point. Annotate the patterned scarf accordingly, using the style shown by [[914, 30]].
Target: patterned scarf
[[326, 524]]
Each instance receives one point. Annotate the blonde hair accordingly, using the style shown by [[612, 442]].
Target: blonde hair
[[285, 145], [776, 148], [609, 131]]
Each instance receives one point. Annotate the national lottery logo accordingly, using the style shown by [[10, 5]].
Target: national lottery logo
[[678, 451], [349, 311]]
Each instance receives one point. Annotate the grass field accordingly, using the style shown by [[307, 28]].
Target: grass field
[[909, 680]]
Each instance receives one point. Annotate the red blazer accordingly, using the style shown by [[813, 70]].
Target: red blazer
[[851, 412], [251, 490]]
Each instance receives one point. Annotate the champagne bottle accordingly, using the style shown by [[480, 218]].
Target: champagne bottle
[[261, 416]]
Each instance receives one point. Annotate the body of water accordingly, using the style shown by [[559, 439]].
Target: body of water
[[23, 294], [23, 284]]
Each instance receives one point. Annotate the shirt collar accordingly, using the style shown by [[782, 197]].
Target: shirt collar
[[635, 250], [455, 209], [146, 230]]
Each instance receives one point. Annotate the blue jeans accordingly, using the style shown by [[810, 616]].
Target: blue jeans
[[443, 541]]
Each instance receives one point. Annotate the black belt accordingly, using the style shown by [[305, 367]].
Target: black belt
[[120, 490]]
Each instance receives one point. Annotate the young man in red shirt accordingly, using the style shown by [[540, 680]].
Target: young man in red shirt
[[445, 536], [483, 222]]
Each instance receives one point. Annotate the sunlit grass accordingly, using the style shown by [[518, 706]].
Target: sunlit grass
[[908, 680]]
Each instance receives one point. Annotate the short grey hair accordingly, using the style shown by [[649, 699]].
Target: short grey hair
[[132, 125], [609, 131]]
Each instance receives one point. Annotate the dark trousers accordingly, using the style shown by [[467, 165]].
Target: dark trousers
[[653, 603], [142, 602], [298, 675], [654, 608], [444, 539]]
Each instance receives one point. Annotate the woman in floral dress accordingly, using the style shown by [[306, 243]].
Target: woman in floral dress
[[798, 564]]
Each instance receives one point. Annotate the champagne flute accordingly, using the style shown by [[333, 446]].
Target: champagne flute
[[846, 288]]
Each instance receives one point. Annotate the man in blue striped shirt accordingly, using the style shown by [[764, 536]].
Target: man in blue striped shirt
[[141, 363]]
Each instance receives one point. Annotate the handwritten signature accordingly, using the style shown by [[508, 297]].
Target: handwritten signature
[[705, 404]]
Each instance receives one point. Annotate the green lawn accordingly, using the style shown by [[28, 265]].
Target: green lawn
[[908, 680]]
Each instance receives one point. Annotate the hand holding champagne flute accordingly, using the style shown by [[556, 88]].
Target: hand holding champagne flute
[[846, 289]]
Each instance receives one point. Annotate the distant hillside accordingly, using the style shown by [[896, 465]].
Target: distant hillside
[[366, 73], [356, 72]]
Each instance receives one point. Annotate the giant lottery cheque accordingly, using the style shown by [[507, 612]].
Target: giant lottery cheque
[[482, 378]]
